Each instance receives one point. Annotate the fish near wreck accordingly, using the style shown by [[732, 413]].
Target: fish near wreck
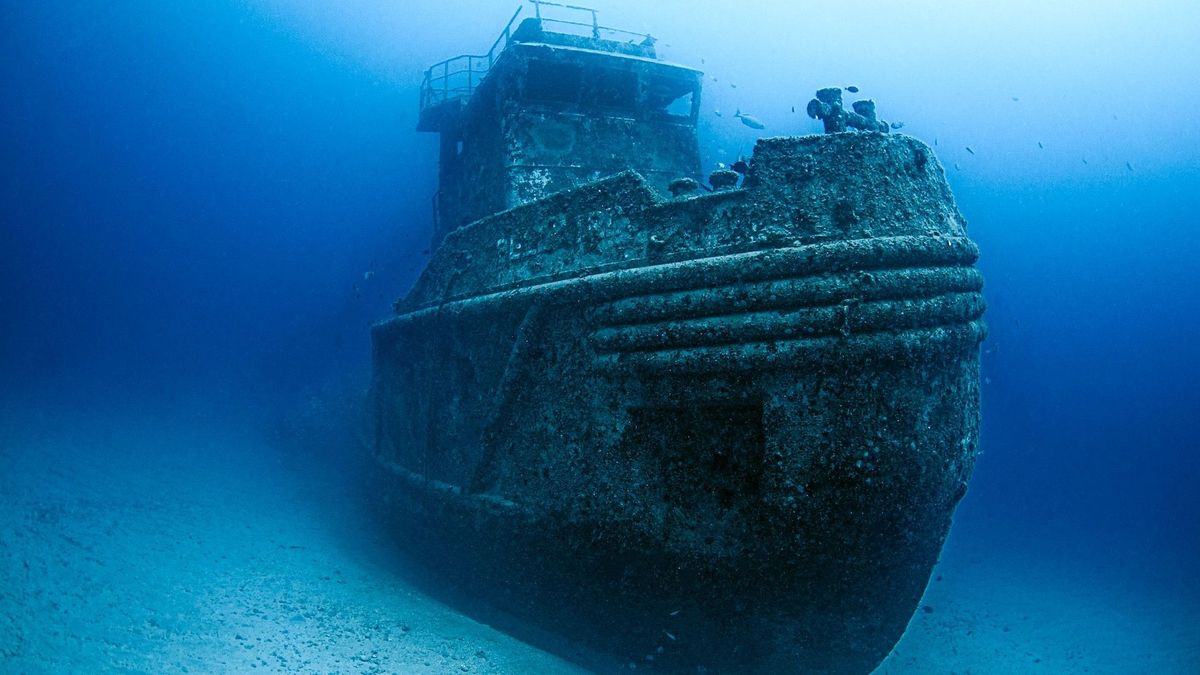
[[726, 429], [750, 120]]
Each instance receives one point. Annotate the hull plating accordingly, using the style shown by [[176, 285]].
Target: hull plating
[[726, 431]]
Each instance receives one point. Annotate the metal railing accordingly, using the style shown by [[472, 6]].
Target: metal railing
[[456, 78], [597, 31], [459, 75]]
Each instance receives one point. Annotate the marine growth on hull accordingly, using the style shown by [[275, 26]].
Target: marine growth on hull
[[699, 423]]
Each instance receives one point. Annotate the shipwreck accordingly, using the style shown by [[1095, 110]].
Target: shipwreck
[[703, 429]]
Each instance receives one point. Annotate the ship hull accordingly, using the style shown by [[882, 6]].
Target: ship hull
[[735, 459]]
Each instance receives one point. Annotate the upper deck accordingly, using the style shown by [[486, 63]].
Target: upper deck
[[555, 103], [448, 85]]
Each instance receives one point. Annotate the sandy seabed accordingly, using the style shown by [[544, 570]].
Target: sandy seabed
[[144, 543]]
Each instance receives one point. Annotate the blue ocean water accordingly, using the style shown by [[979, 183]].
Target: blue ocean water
[[205, 206]]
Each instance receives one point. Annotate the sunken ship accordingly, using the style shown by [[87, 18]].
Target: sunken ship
[[703, 428]]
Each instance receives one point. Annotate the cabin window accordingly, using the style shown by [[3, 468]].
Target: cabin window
[[680, 107], [550, 81], [670, 96], [609, 88]]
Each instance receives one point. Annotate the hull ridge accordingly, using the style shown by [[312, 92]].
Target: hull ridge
[[724, 431]]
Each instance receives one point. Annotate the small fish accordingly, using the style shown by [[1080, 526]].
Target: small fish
[[1129, 166], [669, 634], [1040, 146], [732, 85], [793, 108], [750, 120], [970, 150], [935, 140], [701, 60], [717, 113], [675, 613], [957, 167], [1016, 98], [897, 125], [1084, 159], [852, 89], [425, 252], [368, 274]]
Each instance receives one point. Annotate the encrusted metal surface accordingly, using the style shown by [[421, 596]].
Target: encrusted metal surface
[[742, 418], [552, 114]]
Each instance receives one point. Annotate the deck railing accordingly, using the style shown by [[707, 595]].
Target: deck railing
[[596, 30], [456, 78]]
